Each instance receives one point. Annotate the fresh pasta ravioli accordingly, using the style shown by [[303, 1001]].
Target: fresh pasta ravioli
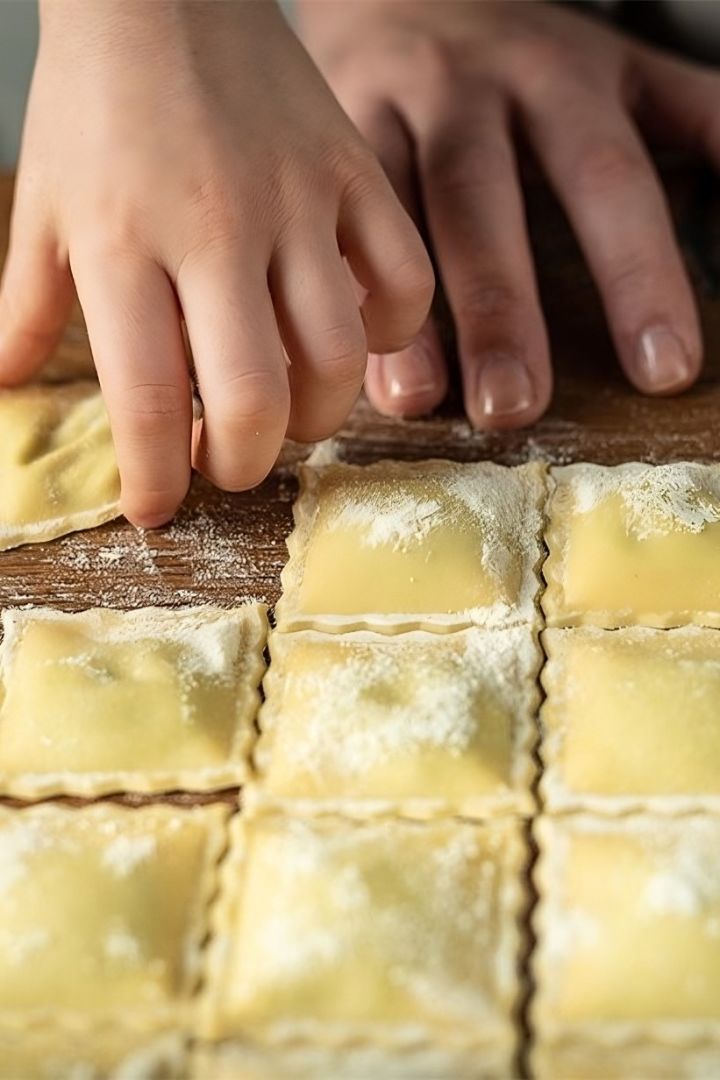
[[377, 933], [103, 912], [628, 939], [630, 719], [58, 471], [414, 723], [429, 545], [146, 700], [633, 544]]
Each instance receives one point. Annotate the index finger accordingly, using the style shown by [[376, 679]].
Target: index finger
[[134, 327]]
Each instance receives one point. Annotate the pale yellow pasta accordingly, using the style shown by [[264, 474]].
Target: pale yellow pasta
[[412, 723], [145, 700], [378, 932], [431, 545], [57, 463], [630, 720], [628, 932], [103, 911], [634, 544]]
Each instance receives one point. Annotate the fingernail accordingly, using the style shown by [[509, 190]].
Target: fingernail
[[409, 373], [662, 358], [504, 387]]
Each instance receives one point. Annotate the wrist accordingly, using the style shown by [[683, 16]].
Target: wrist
[[110, 28]]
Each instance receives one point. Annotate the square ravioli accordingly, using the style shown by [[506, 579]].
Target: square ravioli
[[104, 1053], [57, 463], [103, 911], [416, 724], [630, 720], [429, 545], [380, 933], [634, 544], [628, 930], [145, 700], [247, 1061]]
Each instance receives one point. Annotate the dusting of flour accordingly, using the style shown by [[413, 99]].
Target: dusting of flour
[[658, 499], [400, 506]]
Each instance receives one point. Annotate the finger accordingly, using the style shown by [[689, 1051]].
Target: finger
[[241, 371], [414, 380], [611, 193], [476, 218], [388, 258], [323, 333], [134, 328], [681, 100], [411, 382], [36, 297]]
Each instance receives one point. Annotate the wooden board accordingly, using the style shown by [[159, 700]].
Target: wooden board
[[223, 548]]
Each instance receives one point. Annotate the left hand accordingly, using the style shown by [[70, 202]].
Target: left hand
[[439, 90]]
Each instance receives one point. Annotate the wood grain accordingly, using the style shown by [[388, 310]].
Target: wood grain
[[224, 548]]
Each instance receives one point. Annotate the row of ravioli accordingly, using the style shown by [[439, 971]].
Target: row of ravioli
[[380, 933], [418, 724], [626, 956], [440, 545], [428, 545], [400, 928], [162, 941]]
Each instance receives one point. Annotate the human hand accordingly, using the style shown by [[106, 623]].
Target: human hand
[[185, 161], [439, 90]]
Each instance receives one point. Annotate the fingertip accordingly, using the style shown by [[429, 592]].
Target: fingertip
[[149, 511], [410, 382], [503, 391], [394, 314], [665, 363]]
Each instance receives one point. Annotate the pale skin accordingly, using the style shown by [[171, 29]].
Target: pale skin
[[186, 162], [440, 91]]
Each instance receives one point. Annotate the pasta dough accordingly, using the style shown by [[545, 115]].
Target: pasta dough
[[630, 720], [413, 723], [432, 545], [381, 933], [145, 700], [628, 932], [247, 1062], [57, 463], [634, 544], [106, 1053], [103, 911]]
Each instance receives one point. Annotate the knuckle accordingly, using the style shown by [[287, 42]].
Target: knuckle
[[487, 301], [430, 54], [456, 164], [535, 59], [220, 211], [629, 274], [606, 165], [150, 406], [414, 278], [362, 177], [109, 228], [251, 401], [343, 353]]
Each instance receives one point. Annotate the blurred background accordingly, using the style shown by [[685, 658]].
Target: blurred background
[[692, 25], [18, 41]]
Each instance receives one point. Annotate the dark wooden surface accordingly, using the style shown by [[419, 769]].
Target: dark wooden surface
[[224, 548]]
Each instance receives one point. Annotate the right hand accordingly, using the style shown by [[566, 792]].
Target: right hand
[[186, 161]]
